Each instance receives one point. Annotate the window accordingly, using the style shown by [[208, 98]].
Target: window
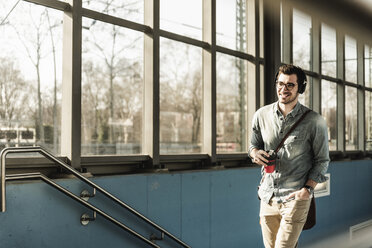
[[329, 104], [351, 115], [231, 24], [301, 39], [180, 97], [112, 79], [128, 9], [30, 75], [231, 103], [350, 59], [305, 97], [368, 66], [175, 17], [329, 51]]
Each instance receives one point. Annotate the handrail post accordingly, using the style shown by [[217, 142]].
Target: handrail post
[[2, 172]]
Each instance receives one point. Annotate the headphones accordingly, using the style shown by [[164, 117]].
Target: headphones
[[302, 75]]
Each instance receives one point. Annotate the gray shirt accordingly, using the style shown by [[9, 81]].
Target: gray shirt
[[304, 155]]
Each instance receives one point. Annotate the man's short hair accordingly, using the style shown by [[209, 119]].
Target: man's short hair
[[289, 69]]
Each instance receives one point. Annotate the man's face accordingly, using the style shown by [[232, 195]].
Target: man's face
[[287, 88]]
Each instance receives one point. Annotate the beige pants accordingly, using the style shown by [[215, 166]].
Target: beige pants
[[282, 223]]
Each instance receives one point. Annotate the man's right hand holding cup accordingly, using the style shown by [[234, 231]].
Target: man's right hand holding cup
[[265, 159]]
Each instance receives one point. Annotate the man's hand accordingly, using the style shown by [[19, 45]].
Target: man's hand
[[302, 194], [259, 157]]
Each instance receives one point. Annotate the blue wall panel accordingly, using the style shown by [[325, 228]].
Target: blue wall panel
[[196, 214], [234, 208], [215, 208]]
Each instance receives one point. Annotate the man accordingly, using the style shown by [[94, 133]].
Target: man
[[301, 162]]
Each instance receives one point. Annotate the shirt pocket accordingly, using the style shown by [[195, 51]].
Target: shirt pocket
[[295, 144], [295, 136]]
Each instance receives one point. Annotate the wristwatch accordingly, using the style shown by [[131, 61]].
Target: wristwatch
[[310, 189]]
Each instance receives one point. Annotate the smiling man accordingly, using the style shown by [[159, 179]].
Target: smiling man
[[300, 164]]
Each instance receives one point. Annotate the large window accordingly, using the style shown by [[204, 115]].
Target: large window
[[121, 68], [183, 78], [30, 75]]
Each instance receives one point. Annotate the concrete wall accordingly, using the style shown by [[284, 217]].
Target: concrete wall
[[205, 209]]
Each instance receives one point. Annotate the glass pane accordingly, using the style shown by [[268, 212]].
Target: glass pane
[[368, 66], [350, 59], [261, 28], [329, 51], [180, 97], [175, 17], [126, 9], [30, 75], [231, 103], [281, 33], [301, 39], [231, 24], [262, 85], [368, 120], [329, 107], [305, 97], [112, 79], [351, 115]]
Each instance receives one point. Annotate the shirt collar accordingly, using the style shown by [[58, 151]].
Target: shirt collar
[[296, 110]]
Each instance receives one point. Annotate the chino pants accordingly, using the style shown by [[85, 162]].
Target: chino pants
[[282, 223]]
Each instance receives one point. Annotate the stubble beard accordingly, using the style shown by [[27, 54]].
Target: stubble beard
[[290, 99]]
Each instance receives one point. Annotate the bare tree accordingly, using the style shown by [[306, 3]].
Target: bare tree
[[111, 50], [13, 93], [181, 93], [92, 99], [33, 43], [55, 125]]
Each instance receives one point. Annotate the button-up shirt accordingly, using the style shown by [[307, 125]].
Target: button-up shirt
[[304, 154]]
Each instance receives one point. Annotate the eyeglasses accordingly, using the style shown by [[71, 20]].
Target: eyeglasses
[[281, 85]]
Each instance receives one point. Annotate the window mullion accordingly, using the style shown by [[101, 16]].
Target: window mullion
[[287, 18], [315, 65], [340, 41], [71, 84], [209, 80], [360, 95], [151, 109]]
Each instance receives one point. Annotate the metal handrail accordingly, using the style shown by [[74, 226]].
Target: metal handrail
[[81, 201], [62, 164]]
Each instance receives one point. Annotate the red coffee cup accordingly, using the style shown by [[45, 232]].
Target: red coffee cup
[[271, 164], [270, 168]]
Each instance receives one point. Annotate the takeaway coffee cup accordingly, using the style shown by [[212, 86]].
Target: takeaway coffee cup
[[272, 161]]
